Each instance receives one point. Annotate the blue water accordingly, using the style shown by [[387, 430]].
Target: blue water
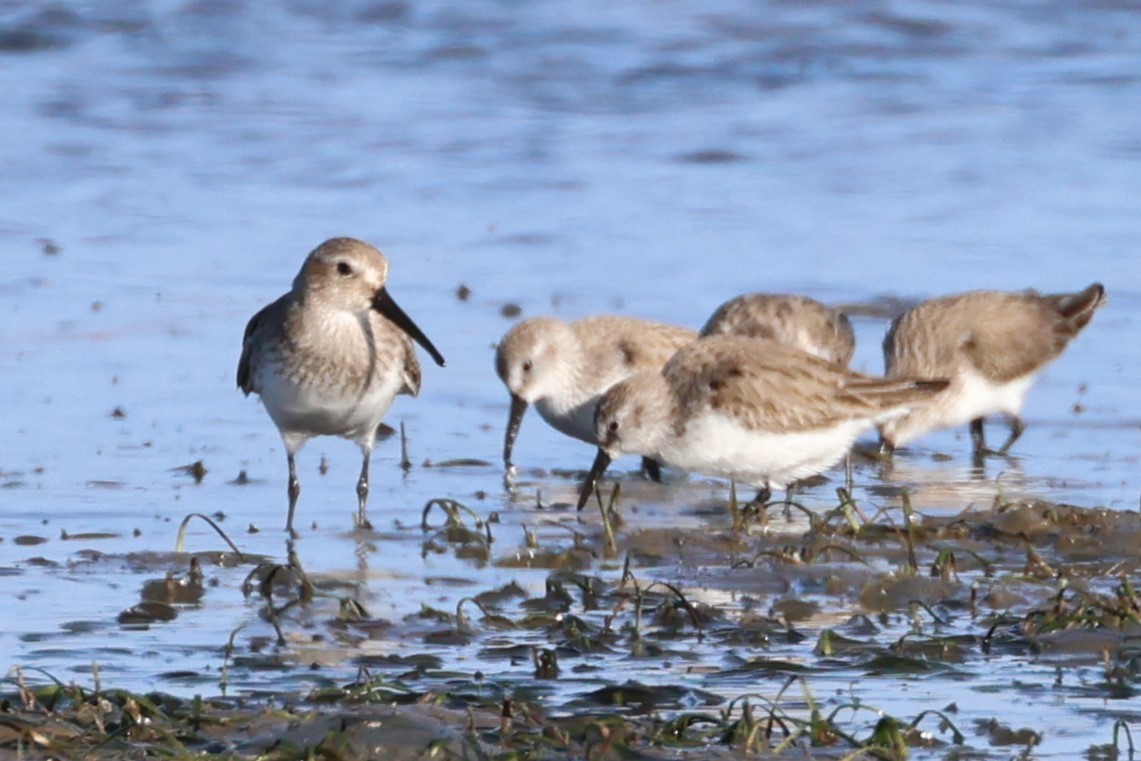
[[647, 159]]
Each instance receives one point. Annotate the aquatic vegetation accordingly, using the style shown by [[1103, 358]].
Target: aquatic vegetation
[[761, 637]]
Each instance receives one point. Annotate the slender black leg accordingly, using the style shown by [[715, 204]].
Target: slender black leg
[[978, 438], [789, 493], [294, 493], [1016, 429], [887, 450], [652, 469], [362, 491], [978, 446]]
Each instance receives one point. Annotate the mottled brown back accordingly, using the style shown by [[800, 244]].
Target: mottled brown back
[[767, 386], [628, 344], [787, 319], [1003, 336]]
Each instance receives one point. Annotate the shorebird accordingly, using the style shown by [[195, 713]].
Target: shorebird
[[328, 358], [991, 345], [755, 411], [563, 368], [796, 321]]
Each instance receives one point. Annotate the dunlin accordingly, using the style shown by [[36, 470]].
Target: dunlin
[[563, 368], [796, 321], [328, 358], [755, 411], [991, 345]]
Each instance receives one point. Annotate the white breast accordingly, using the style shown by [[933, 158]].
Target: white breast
[[978, 397], [718, 445], [969, 396], [302, 411]]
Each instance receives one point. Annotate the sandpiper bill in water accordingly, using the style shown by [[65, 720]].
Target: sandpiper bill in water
[[755, 411], [564, 367], [991, 345], [328, 358]]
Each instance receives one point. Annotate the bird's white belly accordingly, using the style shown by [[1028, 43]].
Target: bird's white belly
[[979, 397], [970, 396], [718, 445], [307, 410]]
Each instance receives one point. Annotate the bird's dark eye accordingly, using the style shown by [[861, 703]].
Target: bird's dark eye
[[344, 269], [613, 427], [527, 366]]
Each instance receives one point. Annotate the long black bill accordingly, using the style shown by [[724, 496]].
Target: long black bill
[[384, 304], [601, 463], [518, 407]]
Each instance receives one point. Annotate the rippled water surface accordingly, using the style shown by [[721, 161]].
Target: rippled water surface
[[167, 166]]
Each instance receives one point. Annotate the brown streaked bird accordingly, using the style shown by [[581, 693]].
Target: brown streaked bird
[[756, 411], [796, 321], [991, 345], [564, 367], [329, 357]]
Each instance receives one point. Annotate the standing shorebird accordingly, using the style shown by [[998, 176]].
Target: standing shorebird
[[796, 321], [755, 411], [563, 368], [328, 358], [991, 345]]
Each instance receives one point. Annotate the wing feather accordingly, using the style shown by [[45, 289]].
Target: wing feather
[[767, 386]]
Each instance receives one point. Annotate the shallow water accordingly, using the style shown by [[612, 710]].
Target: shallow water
[[168, 165]]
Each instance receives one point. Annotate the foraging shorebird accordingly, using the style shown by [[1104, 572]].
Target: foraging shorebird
[[563, 368], [796, 321], [991, 345], [755, 411], [329, 357]]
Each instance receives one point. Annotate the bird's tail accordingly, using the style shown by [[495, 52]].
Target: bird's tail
[[1076, 309]]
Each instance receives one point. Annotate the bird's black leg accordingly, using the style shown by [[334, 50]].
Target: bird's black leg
[[789, 493], [1016, 429], [652, 469], [294, 492], [978, 445], [978, 438], [362, 490]]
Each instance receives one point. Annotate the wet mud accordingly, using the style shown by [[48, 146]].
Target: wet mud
[[785, 633]]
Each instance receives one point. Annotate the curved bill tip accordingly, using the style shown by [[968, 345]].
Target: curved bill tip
[[601, 463], [384, 304], [514, 419]]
